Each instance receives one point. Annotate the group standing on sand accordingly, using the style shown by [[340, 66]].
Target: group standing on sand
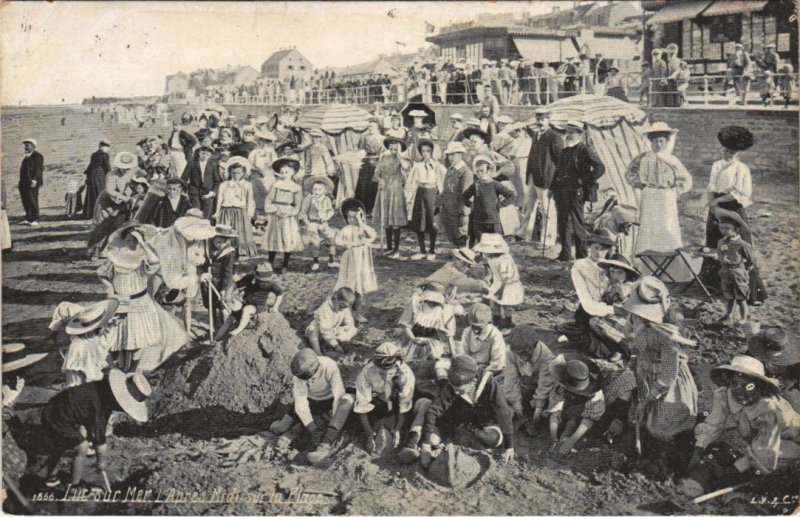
[[460, 363]]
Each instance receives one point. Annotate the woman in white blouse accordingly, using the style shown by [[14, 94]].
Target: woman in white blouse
[[236, 205], [731, 188]]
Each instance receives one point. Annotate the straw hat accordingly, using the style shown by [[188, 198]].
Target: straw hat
[[131, 391], [659, 127], [542, 112], [432, 291], [729, 216], [141, 181], [194, 229], [774, 346], [455, 147], [91, 318], [15, 357], [473, 122], [735, 138], [389, 140], [125, 160], [466, 255], [649, 299], [349, 205], [224, 230], [266, 134], [620, 261], [491, 243], [238, 161], [386, 355], [477, 131], [505, 119], [278, 164], [748, 366], [116, 239], [310, 181], [576, 374], [30, 141], [482, 158], [195, 212]]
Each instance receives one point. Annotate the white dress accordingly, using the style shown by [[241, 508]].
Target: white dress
[[356, 271], [282, 205]]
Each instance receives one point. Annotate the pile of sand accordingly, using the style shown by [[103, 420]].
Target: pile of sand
[[249, 373], [455, 468]]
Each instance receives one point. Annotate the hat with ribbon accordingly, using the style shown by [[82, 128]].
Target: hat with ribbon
[[265, 134], [748, 366], [729, 217], [621, 262], [649, 299], [576, 374], [30, 141], [433, 292], [389, 140], [92, 317], [463, 369], [224, 230], [15, 357], [131, 392], [417, 114], [238, 161], [774, 346], [505, 119], [125, 160], [659, 128]]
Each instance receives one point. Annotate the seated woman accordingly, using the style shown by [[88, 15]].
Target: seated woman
[[591, 393], [747, 405]]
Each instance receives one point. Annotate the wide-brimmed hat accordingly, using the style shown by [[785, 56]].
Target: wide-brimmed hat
[[194, 229], [649, 299], [602, 236], [748, 366], [466, 255], [425, 142], [576, 373], [735, 138], [729, 216], [482, 158], [658, 128], [92, 317], [349, 205], [468, 132], [386, 355], [620, 261], [238, 161], [491, 243], [432, 296], [576, 126], [195, 212], [15, 357], [131, 392], [141, 181], [30, 141], [125, 160], [263, 272], [773, 345], [455, 147], [224, 230], [278, 164], [310, 181], [389, 140], [265, 134]]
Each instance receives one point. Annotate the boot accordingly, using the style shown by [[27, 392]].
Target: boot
[[322, 451], [410, 452], [282, 425]]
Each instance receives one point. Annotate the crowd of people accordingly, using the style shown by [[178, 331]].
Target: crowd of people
[[231, 194]]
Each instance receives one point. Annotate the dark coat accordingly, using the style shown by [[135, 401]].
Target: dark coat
[[199, 183], [243, 149], [163, 214], [187, 140], [99, 166], [32, 169], [578, 168], [544, 154], [486, 198], [491, 408]]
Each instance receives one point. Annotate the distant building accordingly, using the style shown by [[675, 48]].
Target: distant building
[[177, 86], [237, 75], [707, 30], [391, 65], [287, 63], [607, 29]]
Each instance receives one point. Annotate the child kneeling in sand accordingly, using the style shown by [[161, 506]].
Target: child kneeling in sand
[[320, 403], [333, 322], [259, 294]]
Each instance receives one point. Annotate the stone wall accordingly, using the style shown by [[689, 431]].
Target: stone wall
[[775, 131]]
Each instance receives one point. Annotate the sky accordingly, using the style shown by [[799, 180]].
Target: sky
[[54, 52]]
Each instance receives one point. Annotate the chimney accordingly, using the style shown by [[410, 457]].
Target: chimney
[[556, 8]]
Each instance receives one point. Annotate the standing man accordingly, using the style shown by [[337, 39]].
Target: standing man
[[203, 179], [673, 64], [546, 147], [181, 143], [771, 59], [30, 179], [574, 180], [739, 69]]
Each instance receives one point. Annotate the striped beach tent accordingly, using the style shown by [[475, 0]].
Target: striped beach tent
[[334, 118]]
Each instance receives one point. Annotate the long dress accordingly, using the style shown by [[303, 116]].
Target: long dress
[[730, 177], [453, 218], [356, 271], [665, 179], [390, 205], [99, 166], [236, 206], [283, 203], [146, 327], [662, 371]]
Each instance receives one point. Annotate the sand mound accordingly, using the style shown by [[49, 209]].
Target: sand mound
[[456, 468], [249, 373]]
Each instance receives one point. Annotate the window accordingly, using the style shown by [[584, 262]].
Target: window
[[302, 67], [495, 43], [290, 67], [725, 28]]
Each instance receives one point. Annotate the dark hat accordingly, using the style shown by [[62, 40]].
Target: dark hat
[[463, 369], [576, 374], [774, 346], [187, 118], [425, 142], [735, 138], [620, 261], [748, 366], [104, 142], [523, 340], [205, 148], [468, 132], [305, 363], [15, 357], [613, 69], [394, 140], [729, 216], [173, 180], [284, 145], [602, 236], [278, 164], [349, 205]]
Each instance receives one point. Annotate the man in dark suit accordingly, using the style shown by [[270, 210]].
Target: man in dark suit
[[574, 180], [30, 179], [203, 180], [172, 206], [181, 140], [546, 146]]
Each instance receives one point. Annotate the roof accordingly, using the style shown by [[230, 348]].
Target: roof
[[536, 31], [726, 7], [278, 56], [674, 12]]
